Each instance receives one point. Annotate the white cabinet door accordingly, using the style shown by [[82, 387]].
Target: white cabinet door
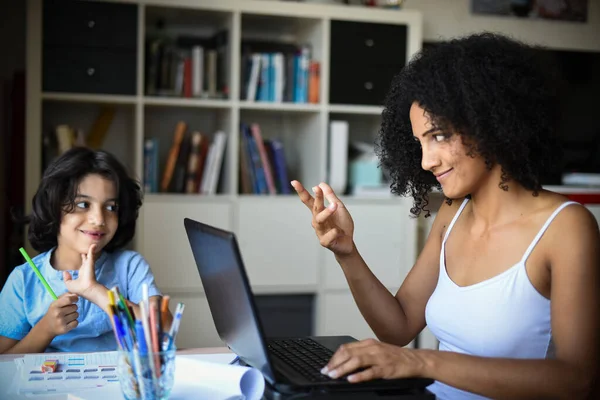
[[339, 315], [278, 244], [197, 328], [165, 244], [386, 237]]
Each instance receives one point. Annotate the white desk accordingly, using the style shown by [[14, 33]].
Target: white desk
[[8, 369]]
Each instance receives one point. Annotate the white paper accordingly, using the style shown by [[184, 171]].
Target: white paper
[[197, 378], [77, 371]]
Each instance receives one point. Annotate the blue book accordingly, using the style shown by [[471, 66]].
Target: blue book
[[259, 173], [248, 157], [280, 167], [264, 87], [151, 165]]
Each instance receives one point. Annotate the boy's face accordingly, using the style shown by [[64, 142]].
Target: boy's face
[[94, 218], [445, 155]]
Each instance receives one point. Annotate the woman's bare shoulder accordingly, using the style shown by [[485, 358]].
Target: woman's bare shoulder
[[445, 214], [574, 222]]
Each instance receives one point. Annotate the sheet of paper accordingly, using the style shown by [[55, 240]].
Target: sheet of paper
[[75, 372], [197, 378]]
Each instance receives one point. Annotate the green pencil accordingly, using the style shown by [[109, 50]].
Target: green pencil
[[38, 273]]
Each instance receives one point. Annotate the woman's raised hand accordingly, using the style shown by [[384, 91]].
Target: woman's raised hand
[[333, 224]]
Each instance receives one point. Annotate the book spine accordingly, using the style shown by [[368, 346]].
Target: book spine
[[280, 167], [197, 70]]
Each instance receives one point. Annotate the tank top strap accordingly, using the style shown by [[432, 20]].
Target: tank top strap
[[462, 206], [544, 228]]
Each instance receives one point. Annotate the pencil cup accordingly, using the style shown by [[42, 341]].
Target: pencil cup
[[146, 377]]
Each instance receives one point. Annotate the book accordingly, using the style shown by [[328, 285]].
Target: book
[[100, 127], [264, 159], [151, 165], [219, 142], [178, 136], [181, 166], [279, 165]]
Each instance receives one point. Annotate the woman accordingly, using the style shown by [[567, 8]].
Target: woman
[[508, 279]]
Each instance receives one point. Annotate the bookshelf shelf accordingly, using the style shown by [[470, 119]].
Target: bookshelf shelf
[[269, 107], [185, 102], [350, 109], [89, 98], [184, 198]]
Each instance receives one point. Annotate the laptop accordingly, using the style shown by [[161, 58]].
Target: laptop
[[289, 365]]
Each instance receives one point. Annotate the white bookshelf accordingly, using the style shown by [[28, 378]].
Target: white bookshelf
[[278, 244]]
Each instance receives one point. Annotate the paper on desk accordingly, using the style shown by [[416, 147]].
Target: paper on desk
[[195, 378], [76, 371]]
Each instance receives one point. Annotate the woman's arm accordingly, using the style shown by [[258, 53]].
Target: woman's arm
[[572, 244], [508, 378], [399, 319]]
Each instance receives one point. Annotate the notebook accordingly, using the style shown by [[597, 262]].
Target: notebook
[[288, 365]]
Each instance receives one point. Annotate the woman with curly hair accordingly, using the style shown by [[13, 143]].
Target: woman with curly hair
[[508, 280]]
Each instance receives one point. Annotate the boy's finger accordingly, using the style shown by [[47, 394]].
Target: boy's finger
[[68, 298]]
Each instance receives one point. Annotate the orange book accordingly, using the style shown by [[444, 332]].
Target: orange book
[[314, 81], [173, 155]]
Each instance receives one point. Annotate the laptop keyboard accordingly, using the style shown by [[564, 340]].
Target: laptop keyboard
[[305, 355]]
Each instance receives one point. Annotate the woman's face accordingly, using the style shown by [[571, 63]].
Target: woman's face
[[445, 156]]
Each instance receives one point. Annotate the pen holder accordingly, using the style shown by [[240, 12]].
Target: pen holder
[[146, 377]]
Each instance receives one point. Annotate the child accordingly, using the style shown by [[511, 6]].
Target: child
[[83, 215]]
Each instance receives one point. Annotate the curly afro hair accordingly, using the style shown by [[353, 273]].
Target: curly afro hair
[[497, 93], [59, 188]]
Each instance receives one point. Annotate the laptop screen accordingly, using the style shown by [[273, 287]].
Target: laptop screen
[[228, 293]]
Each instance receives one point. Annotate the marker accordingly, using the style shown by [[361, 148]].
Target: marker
[[175, 325], [38, 273]]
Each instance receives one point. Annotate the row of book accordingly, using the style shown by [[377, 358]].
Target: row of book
[[187, 66], [263, 168], [193, 164], [60, 138], [278, 72]]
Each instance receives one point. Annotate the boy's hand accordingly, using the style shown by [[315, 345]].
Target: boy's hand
[[62, 315], [86, 283]]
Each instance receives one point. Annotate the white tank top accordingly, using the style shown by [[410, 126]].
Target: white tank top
[[504, 316]]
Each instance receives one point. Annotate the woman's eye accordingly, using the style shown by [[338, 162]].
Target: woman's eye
[[439, 138], [82, 204], [112, 207]]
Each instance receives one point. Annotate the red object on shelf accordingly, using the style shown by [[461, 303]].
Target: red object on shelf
[[584, 198]]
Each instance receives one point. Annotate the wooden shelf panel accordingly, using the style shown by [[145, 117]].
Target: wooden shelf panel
[[89, 98], [186, 102], [269, 106]]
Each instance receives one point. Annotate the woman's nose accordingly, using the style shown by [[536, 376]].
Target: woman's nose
[[430, 160]]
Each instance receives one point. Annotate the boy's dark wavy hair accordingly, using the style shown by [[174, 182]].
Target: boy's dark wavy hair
[[499, 94], [58, 188]]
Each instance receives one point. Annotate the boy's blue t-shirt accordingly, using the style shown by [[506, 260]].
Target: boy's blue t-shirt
[[24, 300]]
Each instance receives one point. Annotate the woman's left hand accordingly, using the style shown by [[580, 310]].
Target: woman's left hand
[[85, 285], [375, 360]]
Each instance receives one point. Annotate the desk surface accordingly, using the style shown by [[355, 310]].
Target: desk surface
[[7, 371]]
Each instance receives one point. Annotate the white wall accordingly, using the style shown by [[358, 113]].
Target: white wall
[[448, 18]]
